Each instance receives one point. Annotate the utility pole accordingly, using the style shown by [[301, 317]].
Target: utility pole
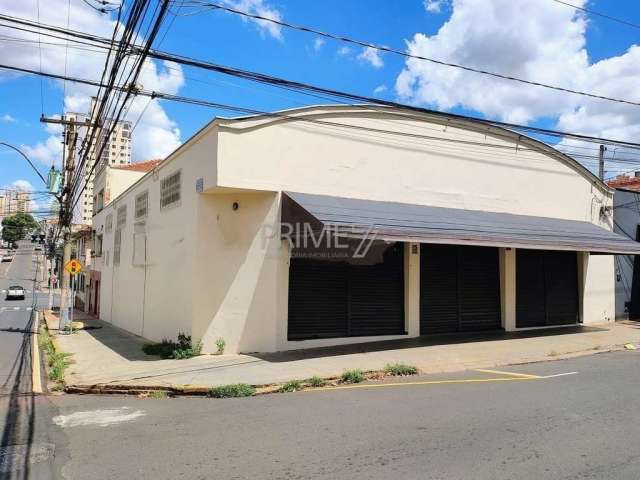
[[66, 215], [601, 162]]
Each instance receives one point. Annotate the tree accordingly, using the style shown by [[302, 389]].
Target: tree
[[15, 227]]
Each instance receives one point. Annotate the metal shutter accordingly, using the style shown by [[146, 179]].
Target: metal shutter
[[376, 294], [479, 272], [546, 288], [459, 289], [317, 299], [336, 299], [438, 289]]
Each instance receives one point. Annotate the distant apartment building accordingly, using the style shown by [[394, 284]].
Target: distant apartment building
[[116, 151], [13, 201]]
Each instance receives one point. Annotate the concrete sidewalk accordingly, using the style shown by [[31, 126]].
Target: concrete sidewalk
[[104, 355]]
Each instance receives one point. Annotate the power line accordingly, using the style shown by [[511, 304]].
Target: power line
[[27, 159], [599, 14], [312, 89], [382, 48]]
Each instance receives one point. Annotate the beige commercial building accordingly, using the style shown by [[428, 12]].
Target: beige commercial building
[[341, 224]]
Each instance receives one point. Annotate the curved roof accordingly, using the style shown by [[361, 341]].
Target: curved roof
[[315, 111]]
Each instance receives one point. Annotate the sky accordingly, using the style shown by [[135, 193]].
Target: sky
[[540, 40]]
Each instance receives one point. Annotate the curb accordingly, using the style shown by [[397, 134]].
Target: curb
[[264, 389]]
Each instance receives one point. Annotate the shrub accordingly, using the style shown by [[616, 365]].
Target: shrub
[[231, 391], [291, 386], [57, 361], [177, 350], [220, 345], [400, 369], [316, 381], [352, 376]]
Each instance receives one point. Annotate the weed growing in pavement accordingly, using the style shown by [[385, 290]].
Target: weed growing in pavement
[[220, 345], [57, 361], [316, 381], [158, 394], [352, 376], [291, 386], [181, 349], [400, 369], [232, 391]]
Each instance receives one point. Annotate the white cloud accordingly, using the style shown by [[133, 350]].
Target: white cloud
[[344, 51], [548, 47], [379, 89], [48, 152], [318, 43], [433, 6], [6, 118], [371, 56], [259, 7], [156, 134], [22, 185]]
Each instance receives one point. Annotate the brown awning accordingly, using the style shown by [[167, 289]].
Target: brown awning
[[404, 222]]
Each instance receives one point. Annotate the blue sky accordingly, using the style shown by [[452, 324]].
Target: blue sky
[[227, 39]]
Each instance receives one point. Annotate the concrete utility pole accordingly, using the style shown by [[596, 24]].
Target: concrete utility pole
[[601, 162], [70, 140]]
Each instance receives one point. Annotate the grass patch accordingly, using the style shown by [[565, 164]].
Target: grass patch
[[554, 353], [179, 350], [291, 386], [57, 361], [220, 346], [400, 369], [352, 376], [232, 391], [316, 381], [158, 394]]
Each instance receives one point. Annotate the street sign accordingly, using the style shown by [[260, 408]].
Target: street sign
[[73, 267]]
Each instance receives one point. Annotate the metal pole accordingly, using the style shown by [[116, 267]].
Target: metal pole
[[601, 162]]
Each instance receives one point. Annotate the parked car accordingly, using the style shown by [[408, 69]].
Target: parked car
[[38, 248], [7, 258], [15, 292]]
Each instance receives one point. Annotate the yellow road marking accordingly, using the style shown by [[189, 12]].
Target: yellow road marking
[[36, 383], [427, 382], [513, 374]]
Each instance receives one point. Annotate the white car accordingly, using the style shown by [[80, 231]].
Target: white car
[[15, 292], [7, 258]]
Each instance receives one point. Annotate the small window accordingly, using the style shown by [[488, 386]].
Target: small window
[[121, 218], [98, 251], [117, 243], [109, 223], [170, 190], [142, 205]]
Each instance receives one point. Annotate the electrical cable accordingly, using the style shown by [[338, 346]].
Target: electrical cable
[[382, 48]]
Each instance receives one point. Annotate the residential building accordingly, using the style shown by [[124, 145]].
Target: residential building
[[14, 200], [116, 151], [332, 225], [626, 206], [81, 243]]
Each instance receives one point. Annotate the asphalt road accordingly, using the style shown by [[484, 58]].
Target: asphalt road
[[585, 425], [580, 426]]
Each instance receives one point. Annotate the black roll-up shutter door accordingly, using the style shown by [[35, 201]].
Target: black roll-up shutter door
[[376, 294], [479, 289], [459, 289], [561, 281], [546, 288], [530, 289], [317, 299], [438, 289], [337, 299]]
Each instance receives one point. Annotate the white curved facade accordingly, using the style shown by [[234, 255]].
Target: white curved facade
[[214, 266]]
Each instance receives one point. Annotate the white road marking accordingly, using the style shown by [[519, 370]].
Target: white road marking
[[560, 375], [16, 308], [101, 418]]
